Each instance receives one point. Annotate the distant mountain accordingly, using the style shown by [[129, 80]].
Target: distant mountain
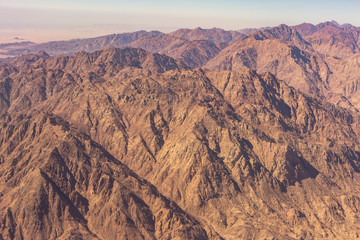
[[306, 29], [193, 47], [332, 39], [278, 50], [308, 57], [283, 33], [193, 53], [16, 44], [163, 43], [73, 46], [282, 51], [112, 59], [249, 31], [215, 35]]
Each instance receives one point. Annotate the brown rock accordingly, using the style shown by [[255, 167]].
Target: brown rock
[[230, 154]]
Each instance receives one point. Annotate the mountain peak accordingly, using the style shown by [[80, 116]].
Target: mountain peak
[[110, 60], [115, 59], [284, 26], [335, 23], [43, 54], [282, 32], [216, 35]]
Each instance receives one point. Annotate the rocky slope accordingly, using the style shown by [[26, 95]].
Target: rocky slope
[[228, 154], [215, 35], [73, 46], [57, 183], [281, 51], [286, 54], [332, 39], [193, 53]]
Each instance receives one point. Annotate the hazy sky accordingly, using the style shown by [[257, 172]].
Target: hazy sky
[[44, 20]]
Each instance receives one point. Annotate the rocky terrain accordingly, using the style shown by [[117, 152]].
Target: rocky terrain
[[216, 35], [127, 143], [318, 59], [304, 61], [331, 39]]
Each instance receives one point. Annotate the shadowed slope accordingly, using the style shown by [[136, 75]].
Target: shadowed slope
[[246, 154], [59, 184]]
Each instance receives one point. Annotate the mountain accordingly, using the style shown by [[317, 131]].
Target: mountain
[[57, 183], [112, 59], [283, 33], [215, 35], [7, 50], [193, 53], [279, 50], [249, 31], [27, 69], [332, 39], [308, 57], [195, 50], [124, 143], [55, 48], [285, 53], [76, 45]]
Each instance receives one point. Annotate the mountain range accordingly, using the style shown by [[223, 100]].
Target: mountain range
[[195, 134], [308, 57]]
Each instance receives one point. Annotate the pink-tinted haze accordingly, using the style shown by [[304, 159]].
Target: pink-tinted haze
[[45, 20]]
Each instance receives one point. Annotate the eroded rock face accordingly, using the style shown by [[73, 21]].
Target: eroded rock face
[[59, 183], [320, 60], [232, 155], [330, 38]]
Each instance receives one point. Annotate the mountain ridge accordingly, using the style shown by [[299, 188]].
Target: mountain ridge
[[245, 153], [195, 134]]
